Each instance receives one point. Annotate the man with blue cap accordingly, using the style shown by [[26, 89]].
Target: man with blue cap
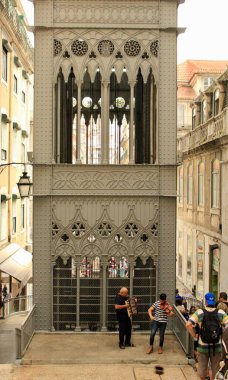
[[209, 347]]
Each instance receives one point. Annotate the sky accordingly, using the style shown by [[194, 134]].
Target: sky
[[206, 33]]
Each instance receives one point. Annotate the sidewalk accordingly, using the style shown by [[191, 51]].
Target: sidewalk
[[77, 356], [7, 337], [94, 372]]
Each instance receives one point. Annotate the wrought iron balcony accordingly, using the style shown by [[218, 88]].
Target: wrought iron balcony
[[8, 9], [213, 129]]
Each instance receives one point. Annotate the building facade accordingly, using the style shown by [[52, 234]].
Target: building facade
[[16, 89], [104, 159], [202, 200]]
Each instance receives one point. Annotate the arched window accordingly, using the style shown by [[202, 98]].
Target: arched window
[[98, 121], [90, 125], [181, 184], [189, 184], [201, 184], [66, 110], [144, 118], [215, 188], [119, 114]]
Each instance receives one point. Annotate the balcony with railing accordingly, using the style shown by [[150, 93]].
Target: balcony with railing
[[213, 129], [7, 7]]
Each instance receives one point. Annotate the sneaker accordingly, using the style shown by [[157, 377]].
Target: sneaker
[[149, 350], [160, 350], [122, 347]]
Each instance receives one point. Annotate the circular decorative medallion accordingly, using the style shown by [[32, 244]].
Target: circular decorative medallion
[[87, 102], [79, 47], [154, 48], [57, 47], [105, 48], [132, 48], [120, 102]]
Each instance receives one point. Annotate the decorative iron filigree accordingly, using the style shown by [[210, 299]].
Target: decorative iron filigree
[[118, 238], [66, 54], [65, 237], [92, 55], [105, 48], [145, 55], [55, 229], [154, 48], [131, 230], [144, 238], [78, 230], [154, 229], [79, 47], [104, 229], [132, 48], [57, 47], [119, 55]]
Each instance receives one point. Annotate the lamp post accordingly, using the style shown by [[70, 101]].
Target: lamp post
[[24, 184]]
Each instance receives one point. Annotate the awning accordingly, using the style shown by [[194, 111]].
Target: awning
[[17, 262]]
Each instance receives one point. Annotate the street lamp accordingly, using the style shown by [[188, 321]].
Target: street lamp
[[24, 184]]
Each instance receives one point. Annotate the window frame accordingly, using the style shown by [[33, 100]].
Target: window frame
[[216, 102], [4, 64], [201, 176], [23, 97], [193, 118], [215, 185], [22, 216], [189, 193], [14, 216], [4, 141], [3, 219], [181, 184], [15, 84]]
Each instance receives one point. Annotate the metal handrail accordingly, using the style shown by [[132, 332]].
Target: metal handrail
[[16, 305], [25, 333], [182, 334]]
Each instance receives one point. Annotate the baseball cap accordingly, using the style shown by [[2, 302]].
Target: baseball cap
[[210, 299]]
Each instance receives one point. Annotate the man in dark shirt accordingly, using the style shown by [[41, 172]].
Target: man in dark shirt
[[123, 319]]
